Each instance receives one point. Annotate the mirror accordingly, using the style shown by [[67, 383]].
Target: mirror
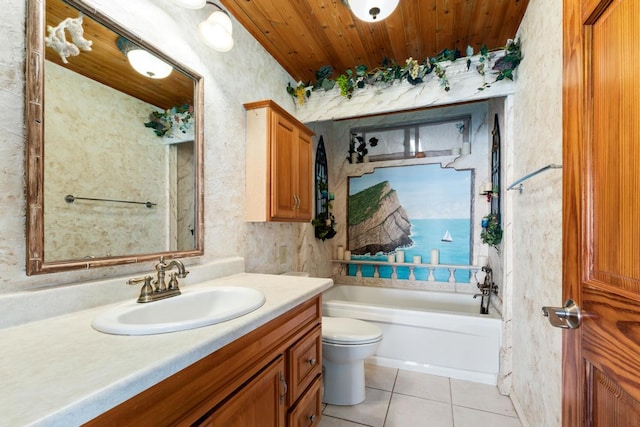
[[111, 178]]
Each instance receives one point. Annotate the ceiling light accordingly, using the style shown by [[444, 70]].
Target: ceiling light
[[142, 61], [371, 10], [216, 31], [191, 4]]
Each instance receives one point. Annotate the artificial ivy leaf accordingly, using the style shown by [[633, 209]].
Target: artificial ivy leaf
[[373, 141], [324, 72], [361, 70], [328, 84]]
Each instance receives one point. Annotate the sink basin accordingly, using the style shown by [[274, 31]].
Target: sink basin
[[193, 309]]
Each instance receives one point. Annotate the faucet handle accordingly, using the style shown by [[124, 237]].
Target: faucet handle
[[147, 290], [173, 282]]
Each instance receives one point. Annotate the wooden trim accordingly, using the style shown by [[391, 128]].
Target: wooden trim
[[268, 103], [573, 239], [188, 395], [34, 153]]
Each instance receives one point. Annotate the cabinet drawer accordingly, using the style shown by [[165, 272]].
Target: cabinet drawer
[[305, 363], [309, 409]]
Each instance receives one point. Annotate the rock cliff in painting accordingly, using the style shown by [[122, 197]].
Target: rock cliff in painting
[[377, 221]]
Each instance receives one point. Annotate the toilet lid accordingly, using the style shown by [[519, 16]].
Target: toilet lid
[[342, 330]]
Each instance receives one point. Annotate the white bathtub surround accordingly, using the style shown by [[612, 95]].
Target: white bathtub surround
[[431, 332], [62, 372]]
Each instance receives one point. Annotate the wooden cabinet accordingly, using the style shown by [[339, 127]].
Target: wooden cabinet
[[258, 403], [270, 377], [278, 169]]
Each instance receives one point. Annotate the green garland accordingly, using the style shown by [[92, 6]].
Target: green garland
[[412, 71]]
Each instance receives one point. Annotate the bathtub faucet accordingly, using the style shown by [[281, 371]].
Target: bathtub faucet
[[486, 289]]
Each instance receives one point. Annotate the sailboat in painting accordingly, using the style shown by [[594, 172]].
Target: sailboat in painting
[[447, 237]]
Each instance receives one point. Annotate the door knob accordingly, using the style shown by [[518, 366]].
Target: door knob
[[567, 317]]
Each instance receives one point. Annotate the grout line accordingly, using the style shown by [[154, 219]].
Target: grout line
[[487, 411], [393, 387], [453, 418]]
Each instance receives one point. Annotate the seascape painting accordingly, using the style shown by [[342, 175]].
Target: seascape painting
[[414, 209]]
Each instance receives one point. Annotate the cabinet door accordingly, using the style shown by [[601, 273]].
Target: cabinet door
[[260, 402], [308, 410], [304, 177], [284, 142]]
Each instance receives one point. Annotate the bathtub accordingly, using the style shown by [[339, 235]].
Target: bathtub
[[438, 333]]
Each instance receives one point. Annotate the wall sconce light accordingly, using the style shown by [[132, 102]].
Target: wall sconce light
[[142, 61], [371, 10], [216, 31]]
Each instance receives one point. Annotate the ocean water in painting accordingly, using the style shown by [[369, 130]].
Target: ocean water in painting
[[426, 235]]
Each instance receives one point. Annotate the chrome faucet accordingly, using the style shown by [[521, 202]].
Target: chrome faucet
[[157, 289]]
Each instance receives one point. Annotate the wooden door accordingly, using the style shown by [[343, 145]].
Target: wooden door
[[304, 191], [601, 211], [284, 141], [260, 402]]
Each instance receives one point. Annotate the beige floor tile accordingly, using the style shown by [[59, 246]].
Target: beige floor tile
[[379, 377], [423, 385], [409, 411], [371, 412], [467, 417], [328, 421], [480, 396]]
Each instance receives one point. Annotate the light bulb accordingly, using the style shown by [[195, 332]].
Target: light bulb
[[372, 10], [148, 65], [216, 31]]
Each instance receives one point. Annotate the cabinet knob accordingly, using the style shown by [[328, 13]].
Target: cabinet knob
[[312, 418], [312, 361]]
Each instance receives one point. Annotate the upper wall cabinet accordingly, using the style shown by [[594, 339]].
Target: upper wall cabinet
[[278, 169]]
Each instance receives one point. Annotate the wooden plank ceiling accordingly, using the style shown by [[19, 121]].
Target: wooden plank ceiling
[[303, 35], [107, 65]]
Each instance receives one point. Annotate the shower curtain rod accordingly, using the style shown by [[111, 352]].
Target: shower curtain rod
[[532, 174]]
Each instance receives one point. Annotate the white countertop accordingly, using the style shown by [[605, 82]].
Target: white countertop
[[62, 372]]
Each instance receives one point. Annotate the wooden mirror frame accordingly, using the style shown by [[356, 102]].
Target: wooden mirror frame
[[34, 151]]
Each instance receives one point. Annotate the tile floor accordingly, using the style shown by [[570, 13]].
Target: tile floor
[[398, 398]]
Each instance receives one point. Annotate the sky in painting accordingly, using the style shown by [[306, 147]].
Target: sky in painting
[[425, 191]]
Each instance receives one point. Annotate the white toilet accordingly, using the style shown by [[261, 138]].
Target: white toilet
[[346, 343]]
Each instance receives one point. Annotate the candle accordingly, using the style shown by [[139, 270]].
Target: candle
[[435, 256], [391, 258], [417, 259], [400, 256], [347, 255], [487, 187], [466, 148], [482, 260], [340, 252]]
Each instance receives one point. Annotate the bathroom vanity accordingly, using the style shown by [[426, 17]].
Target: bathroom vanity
[[268, 377], [263, 368]]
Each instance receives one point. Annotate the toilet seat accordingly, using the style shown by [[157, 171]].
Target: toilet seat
[[346, 331]]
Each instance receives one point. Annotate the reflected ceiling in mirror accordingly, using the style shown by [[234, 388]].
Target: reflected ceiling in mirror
[[121, 181]]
